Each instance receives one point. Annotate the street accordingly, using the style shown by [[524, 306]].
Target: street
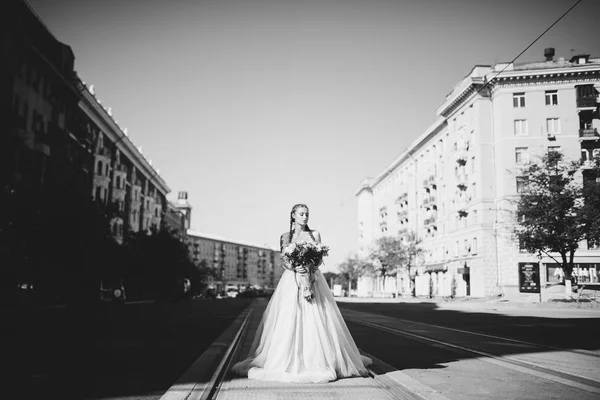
[[421, 350], [132, 351], [510, 356]]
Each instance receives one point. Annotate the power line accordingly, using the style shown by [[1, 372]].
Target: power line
[[531, 44]]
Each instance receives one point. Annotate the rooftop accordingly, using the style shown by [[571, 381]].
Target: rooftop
[[218, 238]]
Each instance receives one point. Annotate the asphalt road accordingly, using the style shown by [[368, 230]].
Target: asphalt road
[[413, 338], [134, 351]]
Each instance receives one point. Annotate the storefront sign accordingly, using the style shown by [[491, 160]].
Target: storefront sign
[[529, 278]]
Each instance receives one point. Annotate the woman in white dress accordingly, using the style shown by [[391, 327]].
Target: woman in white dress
[[299, 340]]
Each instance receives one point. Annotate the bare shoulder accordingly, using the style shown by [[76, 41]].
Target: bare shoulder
[[317, 235], [285, 235]]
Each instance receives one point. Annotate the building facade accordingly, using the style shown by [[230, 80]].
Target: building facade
[[455, 186], [235, 263], [122, 176], [39, 131]]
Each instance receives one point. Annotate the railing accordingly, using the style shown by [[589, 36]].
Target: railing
[[589, 133], [121, 167], [428, 200], [430, 221], [586, 101]]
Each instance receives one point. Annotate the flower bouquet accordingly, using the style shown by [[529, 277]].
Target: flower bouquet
[[310, 255]]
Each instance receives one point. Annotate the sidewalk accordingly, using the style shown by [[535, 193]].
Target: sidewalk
[[479, 303]]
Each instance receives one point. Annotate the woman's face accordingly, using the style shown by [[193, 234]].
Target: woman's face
[[301, 216]]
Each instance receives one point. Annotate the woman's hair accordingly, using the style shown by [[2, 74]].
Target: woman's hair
[[291, 233]]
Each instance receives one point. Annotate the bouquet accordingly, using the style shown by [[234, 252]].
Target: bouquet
[[310, 255]]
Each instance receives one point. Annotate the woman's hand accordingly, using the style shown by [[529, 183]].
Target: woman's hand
[[301, 269]]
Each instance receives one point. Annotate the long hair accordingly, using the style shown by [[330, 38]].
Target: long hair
[[291, 232]]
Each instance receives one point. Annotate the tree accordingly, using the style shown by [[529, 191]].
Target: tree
[[555, 211], [159, 263], [332, 277], [414, 252], [391, 252], [350, 270]]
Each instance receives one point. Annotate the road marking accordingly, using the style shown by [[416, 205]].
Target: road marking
[[576, 351], [501, 361]]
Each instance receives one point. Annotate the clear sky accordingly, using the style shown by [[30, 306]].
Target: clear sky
[[254, 105]]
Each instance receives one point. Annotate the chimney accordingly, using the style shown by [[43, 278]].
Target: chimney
[[549, 53]]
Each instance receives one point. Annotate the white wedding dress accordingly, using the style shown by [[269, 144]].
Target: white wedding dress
[[301, 341]]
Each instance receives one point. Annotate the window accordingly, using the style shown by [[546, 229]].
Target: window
[[472, 164], [520, 127], [553, 125], [99, 168], [518, 100], [521, 183], [521, 155], [551, 97]]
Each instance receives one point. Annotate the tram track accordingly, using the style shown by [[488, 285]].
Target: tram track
[[394, 387], [587, 383]]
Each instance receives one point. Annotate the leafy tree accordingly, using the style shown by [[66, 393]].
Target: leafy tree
[[390, 252], [350, 270], [332, 277], [555, 211], [158, 265]]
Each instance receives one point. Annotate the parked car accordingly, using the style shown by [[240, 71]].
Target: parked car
[[232, 293]]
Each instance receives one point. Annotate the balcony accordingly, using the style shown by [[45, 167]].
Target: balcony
[[402, 199], [429, 181], [586, 102], [430, 221], [587, 164], [121, 168], [428, 201], [402, 215], [589, 134]]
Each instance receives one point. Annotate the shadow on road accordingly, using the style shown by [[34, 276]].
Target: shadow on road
[[567, 333], [139, 351], [109, 351]]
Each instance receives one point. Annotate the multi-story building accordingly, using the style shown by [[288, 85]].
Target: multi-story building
[[69, 139], [235, 263], [455, 185], [40, 130], [178, 215], [123, 176]]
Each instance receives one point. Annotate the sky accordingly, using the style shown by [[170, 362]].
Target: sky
[[252, 106]]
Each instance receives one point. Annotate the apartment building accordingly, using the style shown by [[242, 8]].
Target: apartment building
[[236, 263], [455, 185], [123, 175], [70, 138]]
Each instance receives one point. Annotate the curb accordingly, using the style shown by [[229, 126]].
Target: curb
[[200, 376], [399, 384]]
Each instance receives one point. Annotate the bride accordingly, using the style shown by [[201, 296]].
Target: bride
[[298, 340]]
